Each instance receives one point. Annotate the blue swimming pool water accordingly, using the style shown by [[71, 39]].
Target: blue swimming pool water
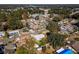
[[67, 51]]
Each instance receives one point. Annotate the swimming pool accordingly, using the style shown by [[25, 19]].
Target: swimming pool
[[66, 51]]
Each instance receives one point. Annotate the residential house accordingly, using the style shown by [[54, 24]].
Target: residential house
[[2, 34], [14, 33]]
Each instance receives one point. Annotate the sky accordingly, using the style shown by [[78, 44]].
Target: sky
[[39, 2]]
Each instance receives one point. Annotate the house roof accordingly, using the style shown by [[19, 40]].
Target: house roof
[[2, 34]]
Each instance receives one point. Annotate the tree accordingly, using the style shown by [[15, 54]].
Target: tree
[[17, 14], [35, 10], [1, 26], [26, 46], [55, 39], [14, 23], [62, 11], [21, 50], [3, 17], [56, 19], [53, 26]]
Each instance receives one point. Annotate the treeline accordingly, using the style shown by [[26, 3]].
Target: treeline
[[64, 12], [10, 19]]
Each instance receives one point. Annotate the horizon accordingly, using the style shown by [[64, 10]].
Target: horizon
[[39, 5]]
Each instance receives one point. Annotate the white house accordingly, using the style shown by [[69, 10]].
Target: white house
[[14, 32], [38, 37], [2, 34]]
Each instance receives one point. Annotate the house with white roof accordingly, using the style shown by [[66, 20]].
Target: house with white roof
[[38, 36], [2, 34], [15, 33]]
